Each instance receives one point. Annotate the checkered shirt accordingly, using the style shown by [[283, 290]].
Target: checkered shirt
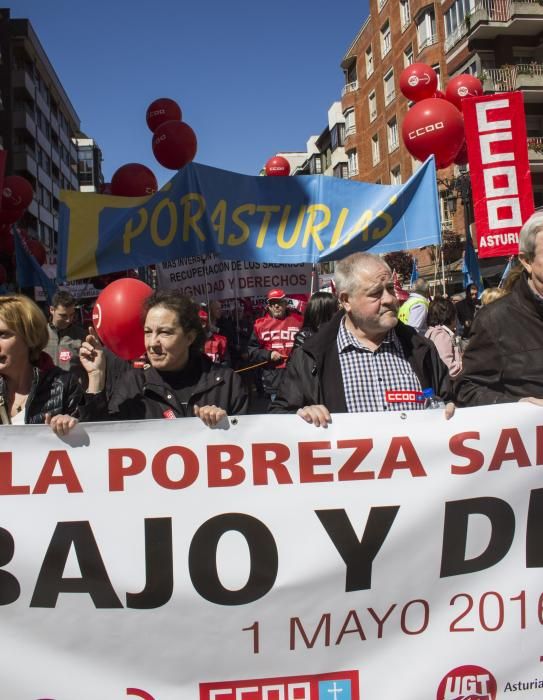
[[368, 374]]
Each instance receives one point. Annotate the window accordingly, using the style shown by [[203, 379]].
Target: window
[[438, 73], [369, 62], [396, 176], [392, 135], [350, 123], [341, 170], [315, 165], [405, 14], [426, 29], [352, 157], [408, 57], [415, 165], [375, 150], [390, 90], [372, 103], [337, 136], [386, 39]]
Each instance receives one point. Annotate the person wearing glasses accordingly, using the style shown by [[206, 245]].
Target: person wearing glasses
[[273, 338]]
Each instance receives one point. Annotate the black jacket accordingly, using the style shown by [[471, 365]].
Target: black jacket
[[313, 375], [504, 358], [142, 394], [53, 391]]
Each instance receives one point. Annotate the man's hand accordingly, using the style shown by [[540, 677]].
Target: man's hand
[[210, 415], [61, 424], [93, 361], [276, 356], [318, 415], [532, 399], [449, 410]]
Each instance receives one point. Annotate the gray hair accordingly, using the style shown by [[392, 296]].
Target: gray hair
[[528, 234], [346, 272], [420, 286]]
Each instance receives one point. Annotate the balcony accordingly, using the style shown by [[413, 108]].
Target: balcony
[[428, 41], [527, 77], [350, 87], [24, 118], [23, 79], [492, 17], [24, 160], [535, 153]]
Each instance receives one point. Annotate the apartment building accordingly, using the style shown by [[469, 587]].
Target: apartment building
[[89, 164], [37, 125], [325, 153], [395, 34], [501, 42]]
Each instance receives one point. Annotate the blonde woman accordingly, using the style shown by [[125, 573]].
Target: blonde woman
[[32, 389]]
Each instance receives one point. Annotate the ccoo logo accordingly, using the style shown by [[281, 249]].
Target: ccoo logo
[[467, 683]]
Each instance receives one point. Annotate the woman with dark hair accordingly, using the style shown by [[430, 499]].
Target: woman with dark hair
[[320, 308], [441, 331], [178, 381], [32, 388]]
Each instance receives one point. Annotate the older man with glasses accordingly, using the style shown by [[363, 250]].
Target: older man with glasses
[[273, 338]]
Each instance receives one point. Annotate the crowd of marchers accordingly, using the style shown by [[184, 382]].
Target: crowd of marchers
[[356, 350]]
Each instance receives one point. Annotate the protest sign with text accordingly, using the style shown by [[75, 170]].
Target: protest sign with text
[[390, 555]]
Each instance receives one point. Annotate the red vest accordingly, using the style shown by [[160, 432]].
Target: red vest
[[278, 334]]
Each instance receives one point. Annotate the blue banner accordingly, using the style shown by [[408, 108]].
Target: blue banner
[[204, 210], [28, 270]]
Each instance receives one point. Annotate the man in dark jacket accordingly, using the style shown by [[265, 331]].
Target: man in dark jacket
[[363, 359], [504, 358], [466, 309], [65, 337]]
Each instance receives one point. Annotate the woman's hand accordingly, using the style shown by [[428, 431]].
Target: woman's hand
[[210, 415], [93, 361], [61, 424]]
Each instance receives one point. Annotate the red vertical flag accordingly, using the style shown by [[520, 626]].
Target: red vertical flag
[[499, 168]]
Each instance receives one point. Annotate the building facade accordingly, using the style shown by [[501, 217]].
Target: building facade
[[501, 42], [37, 125], [89, 164]]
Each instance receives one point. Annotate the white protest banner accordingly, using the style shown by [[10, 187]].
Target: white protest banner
[[80, 289], [213, 278], [387, 556]]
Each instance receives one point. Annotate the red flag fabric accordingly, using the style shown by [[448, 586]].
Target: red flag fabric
[[400, 293], [501, 185]]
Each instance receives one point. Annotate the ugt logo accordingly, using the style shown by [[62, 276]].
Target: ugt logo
[[467, 683], [324, 686]]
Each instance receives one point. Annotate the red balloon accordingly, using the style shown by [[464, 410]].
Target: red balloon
[[461, 86], [117, 317], [17, 193], [418, 82], [433, 127], [161, 111], [133, 180], [277, 166], [3, 275], [174, 144], [10, 216], [37, 250], [462, 155]]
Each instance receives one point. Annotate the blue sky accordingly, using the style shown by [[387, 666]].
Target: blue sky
[[252, 78]]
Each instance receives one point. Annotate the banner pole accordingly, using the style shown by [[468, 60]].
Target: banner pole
[[443, 272], [205, 284]]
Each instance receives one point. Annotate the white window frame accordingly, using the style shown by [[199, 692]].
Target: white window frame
[[388, 79], [386, 39], [352, 161], [375, 149], [350, 122], [393, 136], [396, 176], [437, 70], [426, 22], [369, 62], [372, 105], [405, 14], [408, 54]]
